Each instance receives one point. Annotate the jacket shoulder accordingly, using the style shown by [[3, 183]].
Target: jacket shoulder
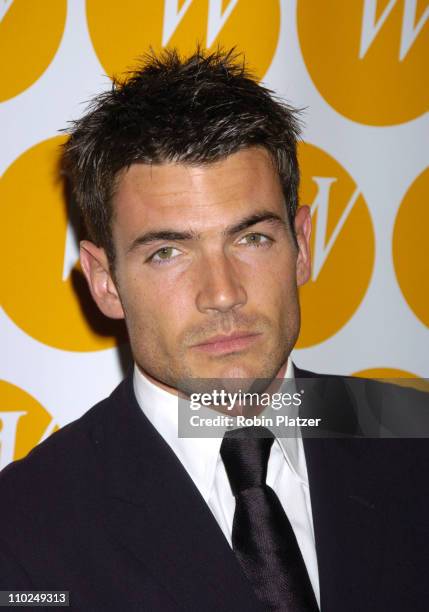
[[58, 464]]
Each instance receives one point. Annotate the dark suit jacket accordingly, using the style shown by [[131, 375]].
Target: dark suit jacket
[[104, 509]]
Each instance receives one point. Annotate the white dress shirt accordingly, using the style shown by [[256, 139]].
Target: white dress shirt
[[287, 470]]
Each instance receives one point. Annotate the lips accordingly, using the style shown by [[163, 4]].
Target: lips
[[227, 343]]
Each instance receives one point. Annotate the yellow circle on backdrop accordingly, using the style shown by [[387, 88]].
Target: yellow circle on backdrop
[[30, 34], [342, 246], [22, 418], [409, 246], [121, 33], [54, 311], [369, 59], [395, 376]]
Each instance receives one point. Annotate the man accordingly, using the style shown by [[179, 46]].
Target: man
[[186, 176]]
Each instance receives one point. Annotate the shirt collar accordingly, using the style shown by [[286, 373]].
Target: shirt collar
[[199, 456]]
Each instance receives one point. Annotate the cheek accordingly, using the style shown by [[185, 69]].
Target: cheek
[[276, 287], [157, 311]]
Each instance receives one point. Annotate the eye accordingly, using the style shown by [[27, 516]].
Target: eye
[[164, 254], [255, 239]]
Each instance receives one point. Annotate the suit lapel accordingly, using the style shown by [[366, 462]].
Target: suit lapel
[[346, 503], [153, 508], [156, 512]]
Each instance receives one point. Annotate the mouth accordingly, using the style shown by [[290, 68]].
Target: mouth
[[222, 344]]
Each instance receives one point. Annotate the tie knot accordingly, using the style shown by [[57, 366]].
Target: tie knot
[[245, 454]]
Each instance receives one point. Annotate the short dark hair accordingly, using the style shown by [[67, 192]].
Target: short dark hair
[[193, 110]]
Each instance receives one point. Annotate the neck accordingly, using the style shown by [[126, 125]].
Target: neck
[[173, 391]]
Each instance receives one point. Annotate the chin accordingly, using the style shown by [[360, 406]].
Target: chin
[[239, 370], [236, 371]]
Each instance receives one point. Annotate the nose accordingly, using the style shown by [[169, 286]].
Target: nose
[[220, 287]]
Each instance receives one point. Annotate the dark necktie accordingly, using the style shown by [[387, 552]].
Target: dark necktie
[[262, 536]]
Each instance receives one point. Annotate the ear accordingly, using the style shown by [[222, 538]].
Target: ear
[[95, 266], [303, 233]]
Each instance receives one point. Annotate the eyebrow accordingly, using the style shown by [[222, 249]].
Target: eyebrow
[[230, 230], [258, 217]]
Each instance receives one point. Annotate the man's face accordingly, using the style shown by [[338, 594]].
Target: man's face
[[206, 269]]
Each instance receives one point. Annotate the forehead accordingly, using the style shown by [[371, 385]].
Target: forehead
[[202, 196]]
